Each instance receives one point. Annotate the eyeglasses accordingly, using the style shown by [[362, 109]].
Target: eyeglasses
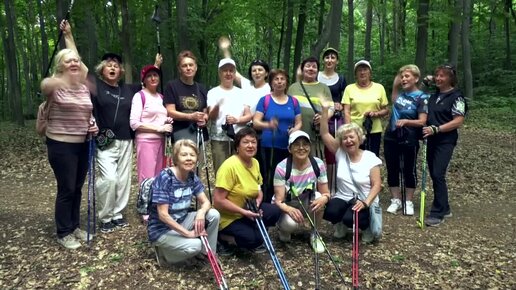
[[299, 145]]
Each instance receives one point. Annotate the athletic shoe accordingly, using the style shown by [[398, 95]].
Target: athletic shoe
[[284, 237], [121, 223], [316, 243], [395, 206], [69, 242], [340, 230], [433, 221], [259, 250], [224, 250], [107, 227], [367, 236], [409, 208], [448, 215], [82, 235]]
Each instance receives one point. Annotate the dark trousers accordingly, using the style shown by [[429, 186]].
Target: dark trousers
[[372, 143], [438, 157], [338, 210], [246, 232], [272, 156], [392, 152], [69, 161]]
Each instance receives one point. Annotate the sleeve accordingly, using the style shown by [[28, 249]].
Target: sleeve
[[384, 102], [346, 99], [297, 107], [257, 169], [327, 94], [459, 107], [211, 98], [160, 188], [279, 173], [197, 187], [245, 83], [373, 160], [136, 112], [422, 106], [168, 94], [225, 177], [323, 177], [260, 107]]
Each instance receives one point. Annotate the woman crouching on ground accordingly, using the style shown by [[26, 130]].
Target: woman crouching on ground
[[173, 231]]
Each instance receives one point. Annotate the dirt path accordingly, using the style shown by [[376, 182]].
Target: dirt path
[[475, 249]]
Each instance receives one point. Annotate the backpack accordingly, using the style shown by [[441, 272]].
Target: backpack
[[288, 171], [42, 118], [144, 201], [268, 98]]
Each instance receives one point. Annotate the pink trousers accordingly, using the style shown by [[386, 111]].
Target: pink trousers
[[149, 157]]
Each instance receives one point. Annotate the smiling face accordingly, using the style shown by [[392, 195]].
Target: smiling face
[[331, 61], [227, 75], [247, 147], [408, 81], [186, 158], [71, 63], [111, 71], [187, 68], [259, 74], [443, 79], [300, 149], [310, 71], [151, 80], [350, 141]]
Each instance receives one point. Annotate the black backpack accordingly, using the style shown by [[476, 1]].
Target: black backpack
[[288, 171]]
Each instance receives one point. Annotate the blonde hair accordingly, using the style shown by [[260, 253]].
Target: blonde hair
[[412, 68], [59, 60], [183, 143], [100, 67], [351, 127]]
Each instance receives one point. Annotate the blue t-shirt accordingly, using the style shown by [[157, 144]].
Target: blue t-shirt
[[285, 114], [167, 189], [407, 106]]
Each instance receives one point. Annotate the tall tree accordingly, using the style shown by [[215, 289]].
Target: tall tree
[[300, 33], [288, 37], [507, 26], [44, 39], [126, 42], [351, 40], [382, 19], [369, 24], [183, 40], [454, 32], [422, 34], [336, 19], [466, 50]]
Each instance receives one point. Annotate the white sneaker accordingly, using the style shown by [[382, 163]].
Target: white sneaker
[[340, 230], [395, 206], [284, 237], [82, 235], [409, 207], [316, 243], [69, 242]]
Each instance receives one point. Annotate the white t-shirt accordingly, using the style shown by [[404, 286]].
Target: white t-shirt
[[233, 104], [361, 173], [252, 94]]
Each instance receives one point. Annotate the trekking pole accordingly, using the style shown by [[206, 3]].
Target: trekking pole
[[316, 257], [205, 157], [354, 252], [91, 186], [217, 270], [321, 240], [421, 221], [251, 204], [402, 185], [157, 20]]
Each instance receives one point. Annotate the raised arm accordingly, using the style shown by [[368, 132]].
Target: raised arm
[[70, 43], [329, 141]]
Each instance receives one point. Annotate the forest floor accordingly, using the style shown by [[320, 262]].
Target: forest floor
[[475, 249]]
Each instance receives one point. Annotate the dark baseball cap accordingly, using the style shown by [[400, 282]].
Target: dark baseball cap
[[113, 56]]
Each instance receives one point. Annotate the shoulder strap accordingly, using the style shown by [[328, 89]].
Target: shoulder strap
[[308, 97], [313, 162], [315, 166], [266, 103], [288, 169], [353, 179], [295, 101], [142, 95]]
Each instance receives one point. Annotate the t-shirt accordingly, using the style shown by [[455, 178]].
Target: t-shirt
[[253, 94], [105, 101], [337, 84], [318, 92], [70, 111], [361, 173], [363, 100], [187, 98], [285, 114], [233, 105], [167, 189], [407, 106], [299, 179], [154, 113], [442, 108], [241, 183]]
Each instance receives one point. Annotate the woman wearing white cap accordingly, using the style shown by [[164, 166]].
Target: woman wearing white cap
[[363, 99]]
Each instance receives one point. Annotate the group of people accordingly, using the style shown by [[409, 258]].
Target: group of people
[[282, 146]]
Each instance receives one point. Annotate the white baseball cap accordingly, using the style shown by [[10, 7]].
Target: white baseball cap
[[296, 135], [363, 62], [225, 61]]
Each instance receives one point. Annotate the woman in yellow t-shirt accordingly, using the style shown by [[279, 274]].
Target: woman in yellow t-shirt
[[239, 179], [363, 99]]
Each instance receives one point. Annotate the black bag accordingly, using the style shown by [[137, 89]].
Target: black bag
[[104, 138], [368, 125], [230, 130]]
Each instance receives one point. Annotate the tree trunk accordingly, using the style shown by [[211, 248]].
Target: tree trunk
[[300, 34], [324, 36], [466, 50], [422, 34], [395, 26], [403, 17], [320, 20], [60, 14], [288, 38], [126, 43], [336, 19], [454, 33], [508, 61], [183, 40], [13, 82], [282, 34], [44, 39], [351, 41], [369, 24], [382, 19]]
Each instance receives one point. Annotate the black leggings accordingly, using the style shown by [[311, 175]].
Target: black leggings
[[392, 152], [439, 156], [372, 143], [338, 210], [269, 169]]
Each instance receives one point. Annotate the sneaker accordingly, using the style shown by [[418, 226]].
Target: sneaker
[[367, 236], [69, 242], [121, 223], [409, 208], [316, 243], [82, 235], [284, 237], [433, 221], [340, 230], [224, 250], [259, 250], [395, 206], [448, 215], [107, 227]]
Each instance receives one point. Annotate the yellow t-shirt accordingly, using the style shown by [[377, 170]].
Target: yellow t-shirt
[[371, 99], [241, 182]]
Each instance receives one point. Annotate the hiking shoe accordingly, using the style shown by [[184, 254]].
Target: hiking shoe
[[433, 221], [448, 215], [224, 250], [107, 227], [121, 223], [395, 206], [82, 235], [259, 250], [409, 208], [340, 230], [367, 236], [316, 243], [284, 237], [69, 242]]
